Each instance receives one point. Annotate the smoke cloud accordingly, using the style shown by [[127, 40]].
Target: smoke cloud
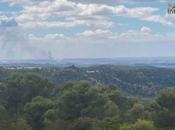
[[15, 44]]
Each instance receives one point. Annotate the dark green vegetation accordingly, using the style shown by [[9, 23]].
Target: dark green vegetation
[[137, 81], [30, 102]]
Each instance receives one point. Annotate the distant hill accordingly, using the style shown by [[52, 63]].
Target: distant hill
[[168, 62], [145, 81]]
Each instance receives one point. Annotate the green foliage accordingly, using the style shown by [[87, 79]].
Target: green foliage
[[20, 124], [108, 123], [3, 113], [78, 124], [81, 124], [51, 115], [33, 103], [21, 89], [4, 118], [57, 125], [35, 110], [140, 81], [164, 109], [139, 125], [123, 102], [136, 112], [86, 100]]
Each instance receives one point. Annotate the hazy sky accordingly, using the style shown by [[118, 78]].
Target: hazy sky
[[42, 29]]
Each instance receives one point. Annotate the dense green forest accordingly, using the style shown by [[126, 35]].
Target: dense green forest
[[133, 80], [32, 102]]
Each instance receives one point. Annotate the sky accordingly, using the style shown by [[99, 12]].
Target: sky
[[58, 29]]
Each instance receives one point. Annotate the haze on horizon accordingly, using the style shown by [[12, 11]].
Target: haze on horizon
[[46, 29]]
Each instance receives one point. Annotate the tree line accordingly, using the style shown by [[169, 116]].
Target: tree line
[[31, 102]]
